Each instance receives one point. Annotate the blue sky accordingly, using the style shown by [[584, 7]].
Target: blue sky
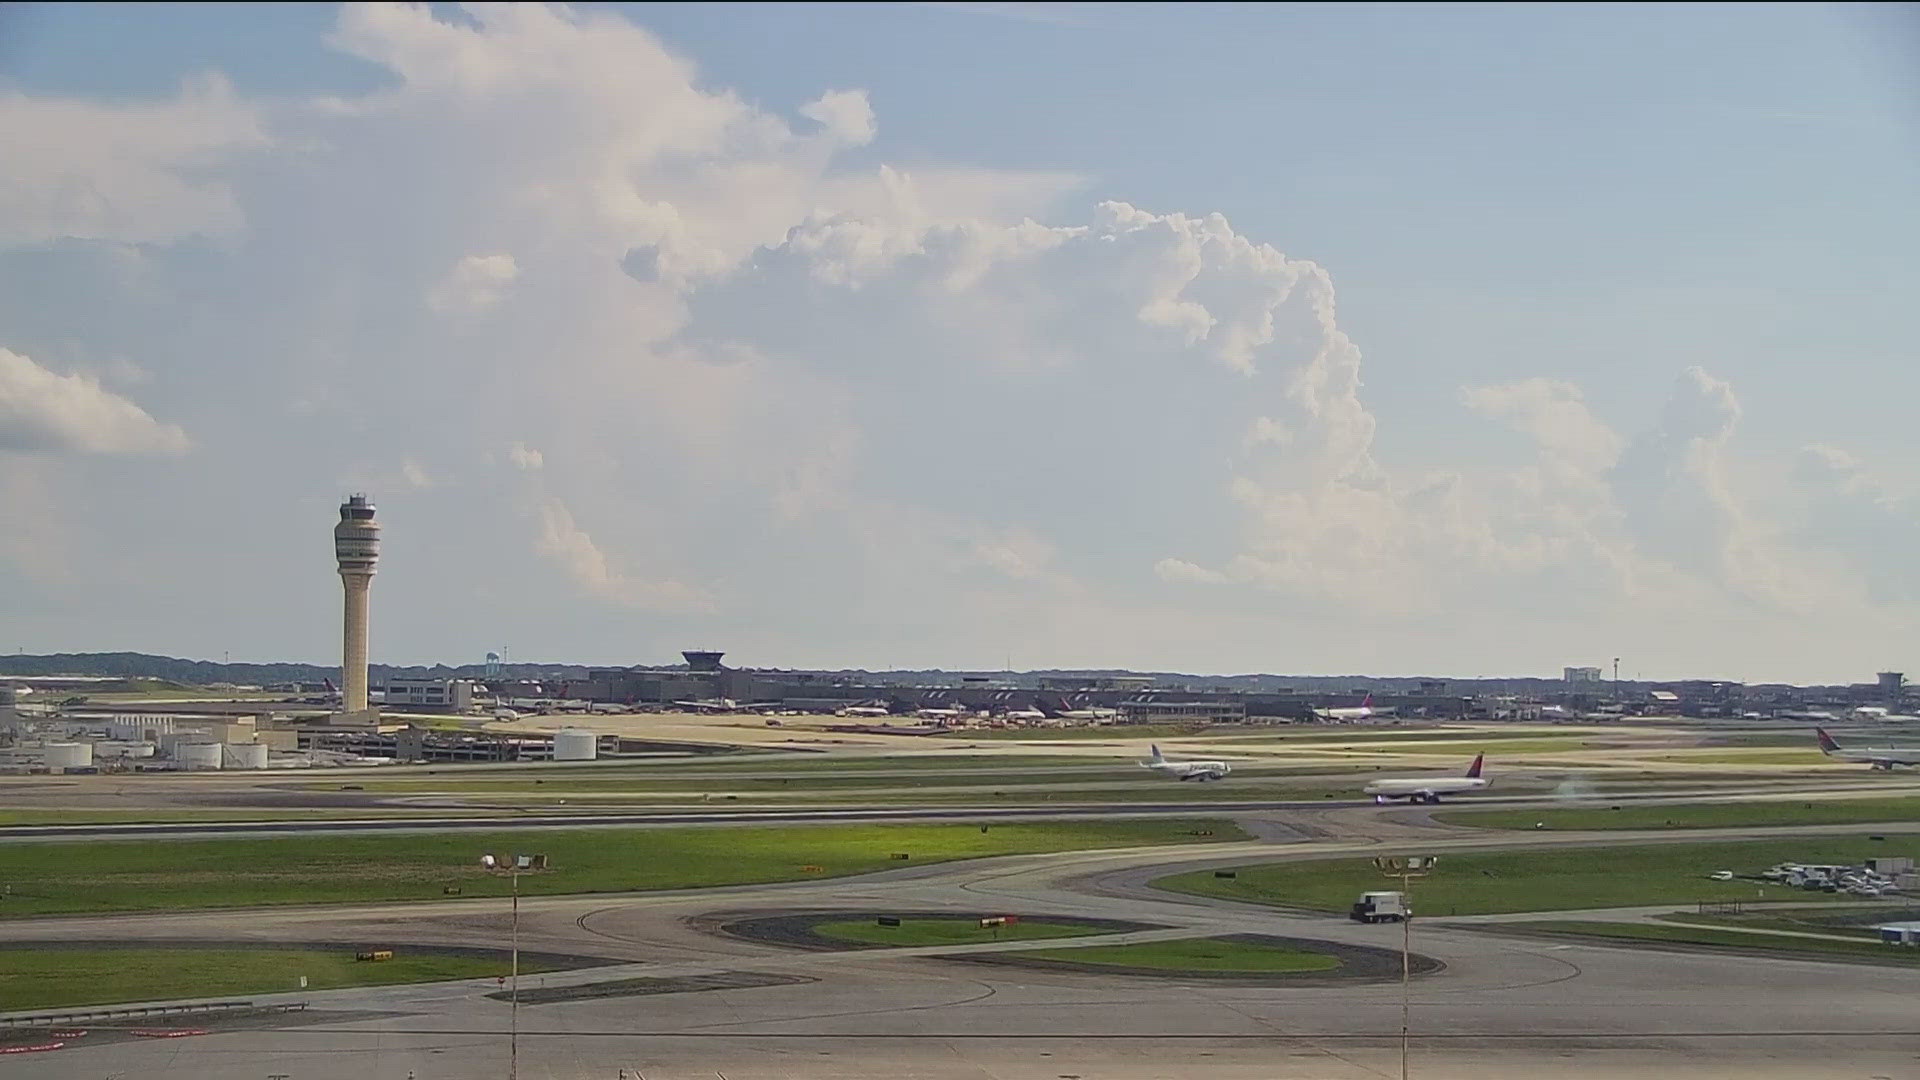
[[656, 325]]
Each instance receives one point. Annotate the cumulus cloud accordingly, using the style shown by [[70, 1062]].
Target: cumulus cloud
[[138, 172], [571, 548], [1554, 414], [878, 368], [524, 457], [41, 410], [845, 115], [475, 283]]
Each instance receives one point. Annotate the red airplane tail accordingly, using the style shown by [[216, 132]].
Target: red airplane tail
[[1827, 745], [1473, 770]]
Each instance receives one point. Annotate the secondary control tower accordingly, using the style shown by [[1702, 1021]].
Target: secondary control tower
[[356, 548]]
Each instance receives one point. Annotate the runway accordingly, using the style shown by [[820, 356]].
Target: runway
[[1504, 1007], [482, 818]]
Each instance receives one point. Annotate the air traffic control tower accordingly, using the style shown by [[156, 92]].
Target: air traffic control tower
[[356, 548]]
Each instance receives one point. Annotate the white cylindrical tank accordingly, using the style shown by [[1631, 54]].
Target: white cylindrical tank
[[120, 749], [198, 755], [574, 744], [69, 755], [245, 756]]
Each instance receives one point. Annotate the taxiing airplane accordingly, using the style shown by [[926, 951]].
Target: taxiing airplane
[[1429, 789], [1362, 712], [864, 710], [1186, 770], [1880, 757], [1023, 714]]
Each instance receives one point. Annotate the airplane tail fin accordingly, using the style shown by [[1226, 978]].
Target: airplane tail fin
[[1827, 745], [1473, 770], [1155, 753], [1367, 702]]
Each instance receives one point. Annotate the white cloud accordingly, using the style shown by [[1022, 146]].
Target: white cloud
[[828, 390], [415, 476], [41, 410], [1182, 572], [574, 551], [525, 457], [133, 173], [844, 113], [475, 283], [1554, 414]]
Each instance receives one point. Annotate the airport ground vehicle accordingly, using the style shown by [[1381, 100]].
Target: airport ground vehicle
[[1376, 907]]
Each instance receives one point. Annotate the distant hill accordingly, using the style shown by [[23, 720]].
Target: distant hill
[[204, 672]]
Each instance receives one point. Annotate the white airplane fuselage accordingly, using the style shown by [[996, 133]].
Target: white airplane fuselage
[[1428, 789]]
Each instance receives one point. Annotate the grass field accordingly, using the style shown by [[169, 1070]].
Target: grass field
[[1547, 880], [1193, 954], [56, 977], [1735, 756], [237, 813], [97, 876], [1699, 816], [1775, 944], [953, 931]]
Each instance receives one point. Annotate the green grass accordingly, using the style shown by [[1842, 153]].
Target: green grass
[[945, 931], [235, 813], [1764, 922], [1666, 934], [55, 977], [97, 876], [1733, 756], [1193, 954], [1701, 816], [1545, 880]]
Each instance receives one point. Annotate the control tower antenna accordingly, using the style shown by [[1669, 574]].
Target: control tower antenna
[[356, 548]]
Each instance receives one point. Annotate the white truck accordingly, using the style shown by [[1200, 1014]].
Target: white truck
[[1377, 907]]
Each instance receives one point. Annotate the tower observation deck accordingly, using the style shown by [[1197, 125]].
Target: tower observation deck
[[356, 549]]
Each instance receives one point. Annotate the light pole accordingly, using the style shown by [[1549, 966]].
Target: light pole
[[512, 869], [1406, 868]]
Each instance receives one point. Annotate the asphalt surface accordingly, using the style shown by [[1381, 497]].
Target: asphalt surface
[[1503, 1007], [854, 814]]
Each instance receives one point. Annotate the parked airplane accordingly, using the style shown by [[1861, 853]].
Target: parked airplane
[[1091, 712], [864, 710], [1023, 714], [1187, 770], [939, 714], [1363, 711], [710, 705], [1879, 712], [1880, 757], [1429, 789]]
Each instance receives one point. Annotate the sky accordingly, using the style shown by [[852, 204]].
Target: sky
[[1438, 339]]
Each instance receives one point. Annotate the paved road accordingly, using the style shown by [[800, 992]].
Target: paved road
[[1503, 1008]]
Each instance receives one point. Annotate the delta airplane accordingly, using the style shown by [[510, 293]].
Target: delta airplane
[[1429, 789], [1880, 757], [1362, 712], [1187, 770]]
